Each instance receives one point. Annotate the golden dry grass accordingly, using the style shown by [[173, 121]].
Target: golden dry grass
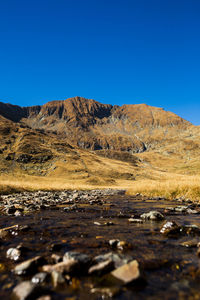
[[155, 175], [167, 185], [170, 186]]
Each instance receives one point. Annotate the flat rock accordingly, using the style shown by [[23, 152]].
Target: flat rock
[[128, 273], [134, 220]]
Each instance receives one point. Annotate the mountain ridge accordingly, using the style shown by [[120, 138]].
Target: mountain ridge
[[83, 138]]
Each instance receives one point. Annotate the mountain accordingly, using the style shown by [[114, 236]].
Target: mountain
[[96, 126], [65, 136]]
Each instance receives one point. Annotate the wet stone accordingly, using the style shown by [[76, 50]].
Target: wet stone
[[27, 290], [170, 228], [29, 266], [81, 258], [106, 291], [113, 243], [134, 220], [152, 215], [190, 243], [117, 259], [128, 273], [101, 268], [46, 297], [40, 278], [56, 258], [13, 253], [190, 230], [57, 278], [66, 267]]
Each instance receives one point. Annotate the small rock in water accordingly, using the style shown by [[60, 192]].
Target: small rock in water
[[97, 223], [190, 229], [81, 258], [13, 253], [66, 267], [101, 268], [121, 245], [133, 220], [29, 266], [128, 273], [46, 297], [56, 258], [57, 278], [117, 259], [152, 215], [40, 277], [108, 291], [170, 227], [190, 244], [26, 290], [113, 243]]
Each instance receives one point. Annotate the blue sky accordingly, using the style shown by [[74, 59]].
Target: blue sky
[[117, 52]]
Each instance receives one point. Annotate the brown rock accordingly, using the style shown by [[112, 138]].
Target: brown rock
[[26, 290], [128, 273], [62, 267], [29, 266]]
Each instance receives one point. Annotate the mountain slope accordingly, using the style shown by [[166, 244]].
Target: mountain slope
[[48, 139]]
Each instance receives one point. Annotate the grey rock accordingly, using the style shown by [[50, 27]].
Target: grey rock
[[117, 259], [152, 215]]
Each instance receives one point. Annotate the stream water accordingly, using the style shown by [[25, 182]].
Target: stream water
[[171, 270]]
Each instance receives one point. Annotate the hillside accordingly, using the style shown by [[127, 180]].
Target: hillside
[[95, 144]]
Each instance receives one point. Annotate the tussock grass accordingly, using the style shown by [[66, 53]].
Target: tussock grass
[[171, 186]]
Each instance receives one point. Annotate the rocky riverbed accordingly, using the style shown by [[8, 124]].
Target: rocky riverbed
[[98, 244]]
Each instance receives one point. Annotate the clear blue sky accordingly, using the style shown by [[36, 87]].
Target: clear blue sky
[[113, 51]]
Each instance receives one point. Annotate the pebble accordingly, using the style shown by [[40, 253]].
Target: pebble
[[40, 277], [13, 253]]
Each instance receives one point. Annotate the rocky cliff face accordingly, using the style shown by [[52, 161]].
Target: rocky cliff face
[[96, 126]]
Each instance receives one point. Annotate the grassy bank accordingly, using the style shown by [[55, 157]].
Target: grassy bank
[[168, 185], [171, 186]]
